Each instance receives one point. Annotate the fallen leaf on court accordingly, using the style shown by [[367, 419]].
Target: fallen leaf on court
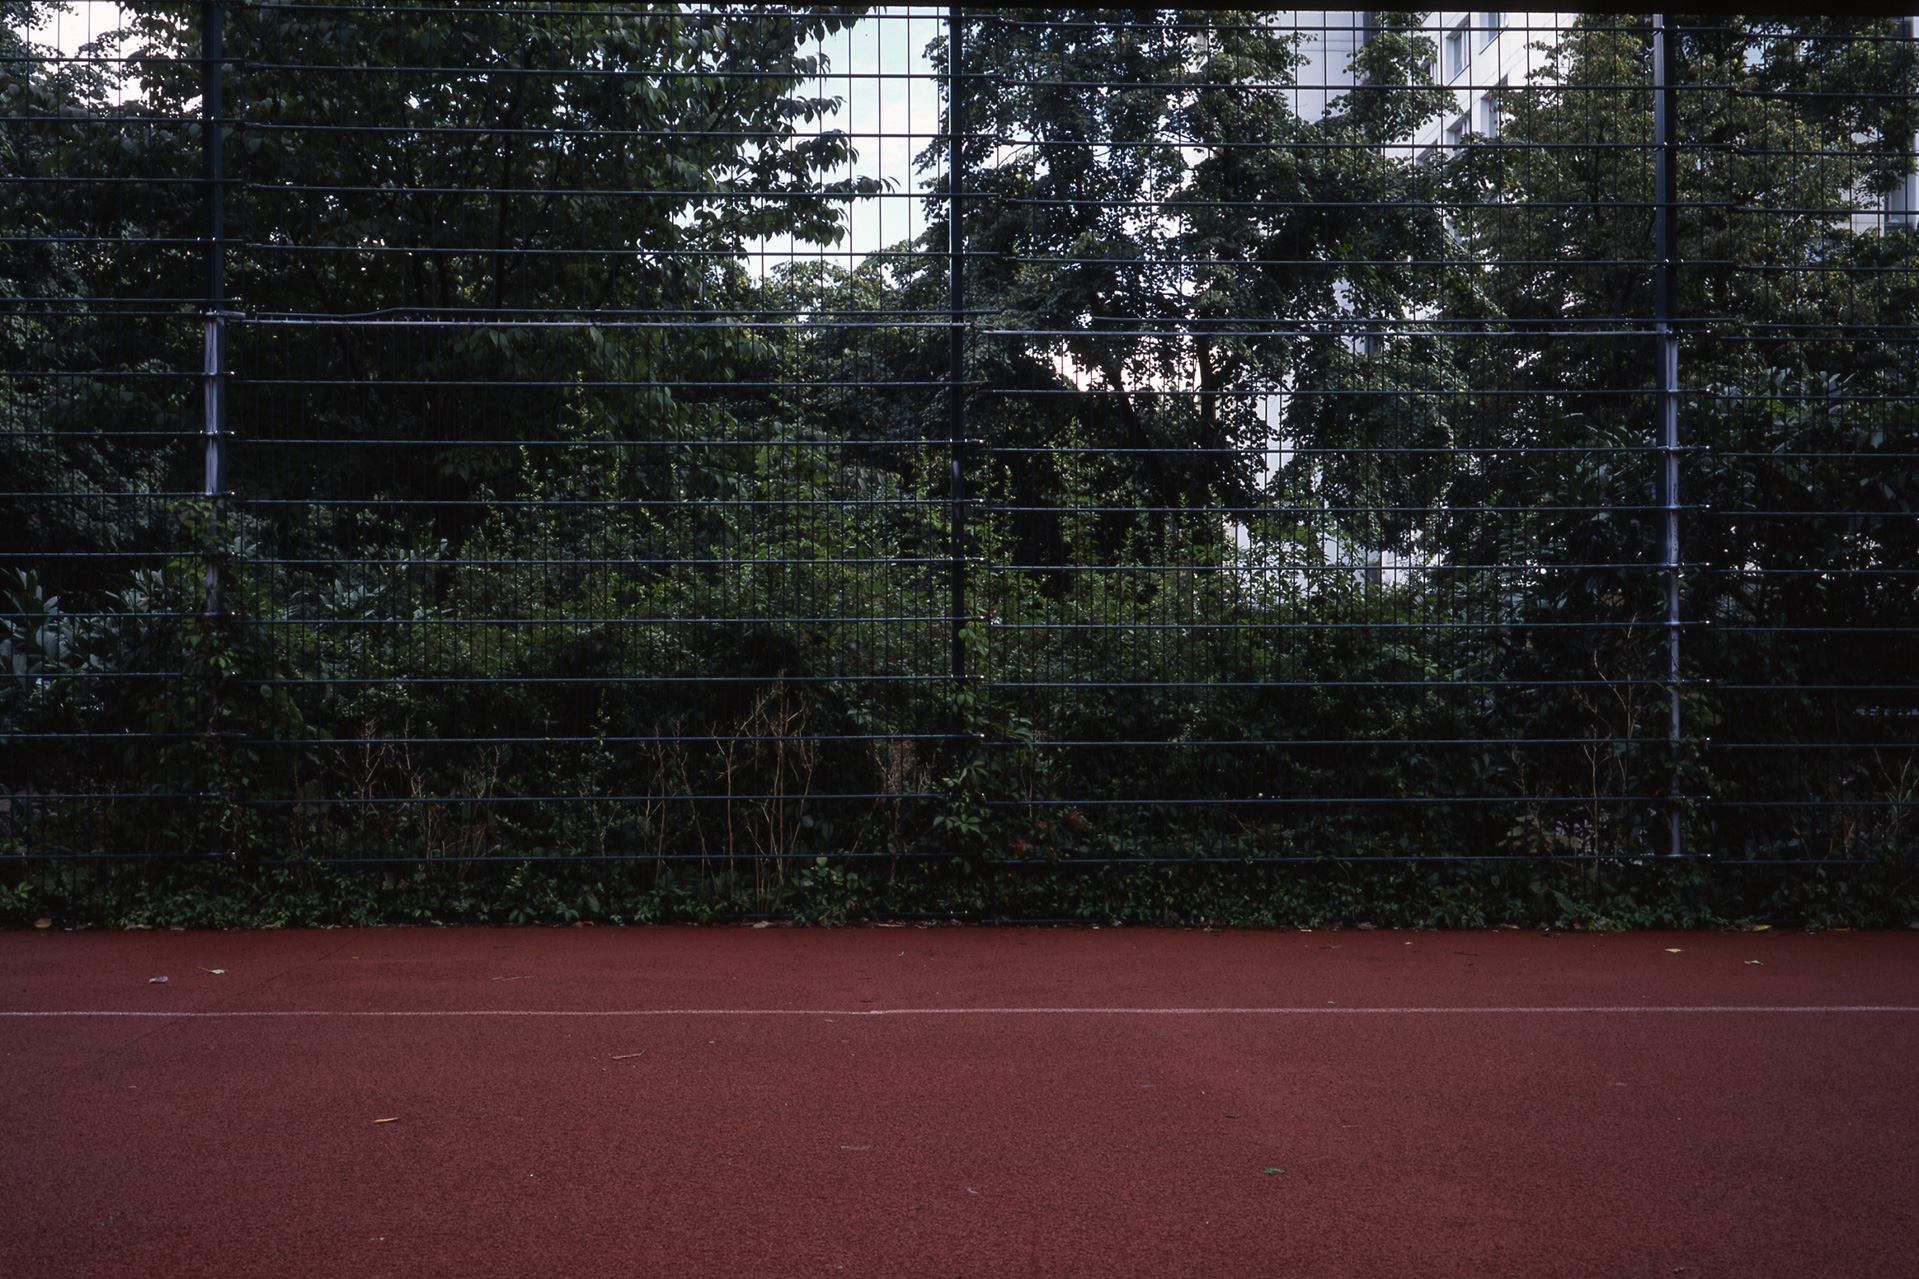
[[1272, 1172], [154, 981], [215, 971], [624, 1056], [392, 1120], [1672, 950], [1754, 961], [522, 977], [43, 923], [1760, 928]]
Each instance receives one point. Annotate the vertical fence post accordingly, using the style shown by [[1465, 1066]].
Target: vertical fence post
[[1665, 173], [214, 379], [956, 350]]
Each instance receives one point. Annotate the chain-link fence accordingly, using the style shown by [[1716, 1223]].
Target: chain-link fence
[[748, 446]]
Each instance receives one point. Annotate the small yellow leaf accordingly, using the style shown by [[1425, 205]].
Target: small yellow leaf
[[1760, 928], [392, 1120], [1672, 950], [1752, 961]]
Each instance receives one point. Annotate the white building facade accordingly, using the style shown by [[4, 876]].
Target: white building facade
[[1478, 52]]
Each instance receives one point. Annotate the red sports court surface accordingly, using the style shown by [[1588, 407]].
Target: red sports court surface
[[944, 1101]]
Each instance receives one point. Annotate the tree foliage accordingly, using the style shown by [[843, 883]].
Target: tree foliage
[[1323, 467]]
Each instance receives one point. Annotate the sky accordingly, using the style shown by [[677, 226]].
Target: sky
[[892, 110], [83, 21], [68, 31]]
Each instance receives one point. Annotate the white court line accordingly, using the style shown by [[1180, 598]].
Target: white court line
[[1330, 1011]]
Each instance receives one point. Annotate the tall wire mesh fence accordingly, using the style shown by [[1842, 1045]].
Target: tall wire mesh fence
[[752, 447]]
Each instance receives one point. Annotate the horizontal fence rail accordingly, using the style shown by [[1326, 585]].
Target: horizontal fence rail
[[954, 459]]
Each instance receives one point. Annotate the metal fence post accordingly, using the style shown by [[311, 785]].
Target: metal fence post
[[214, 378], [956, 350], [1665, 172]]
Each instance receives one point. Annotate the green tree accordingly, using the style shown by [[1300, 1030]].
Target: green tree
[[577, 184], [1799, 466], [1162, 241]]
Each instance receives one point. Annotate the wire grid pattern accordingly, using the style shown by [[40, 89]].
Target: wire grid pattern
[[566, 431]]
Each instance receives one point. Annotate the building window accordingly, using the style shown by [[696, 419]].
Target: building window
[[1456, 132], [1456, 50], [1489, 111], [1900, 203], [1489, 26]]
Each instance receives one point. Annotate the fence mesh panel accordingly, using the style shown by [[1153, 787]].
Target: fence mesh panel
[[747, 445]]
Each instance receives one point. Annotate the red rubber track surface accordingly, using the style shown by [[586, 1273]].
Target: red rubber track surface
[[691, 1123]]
